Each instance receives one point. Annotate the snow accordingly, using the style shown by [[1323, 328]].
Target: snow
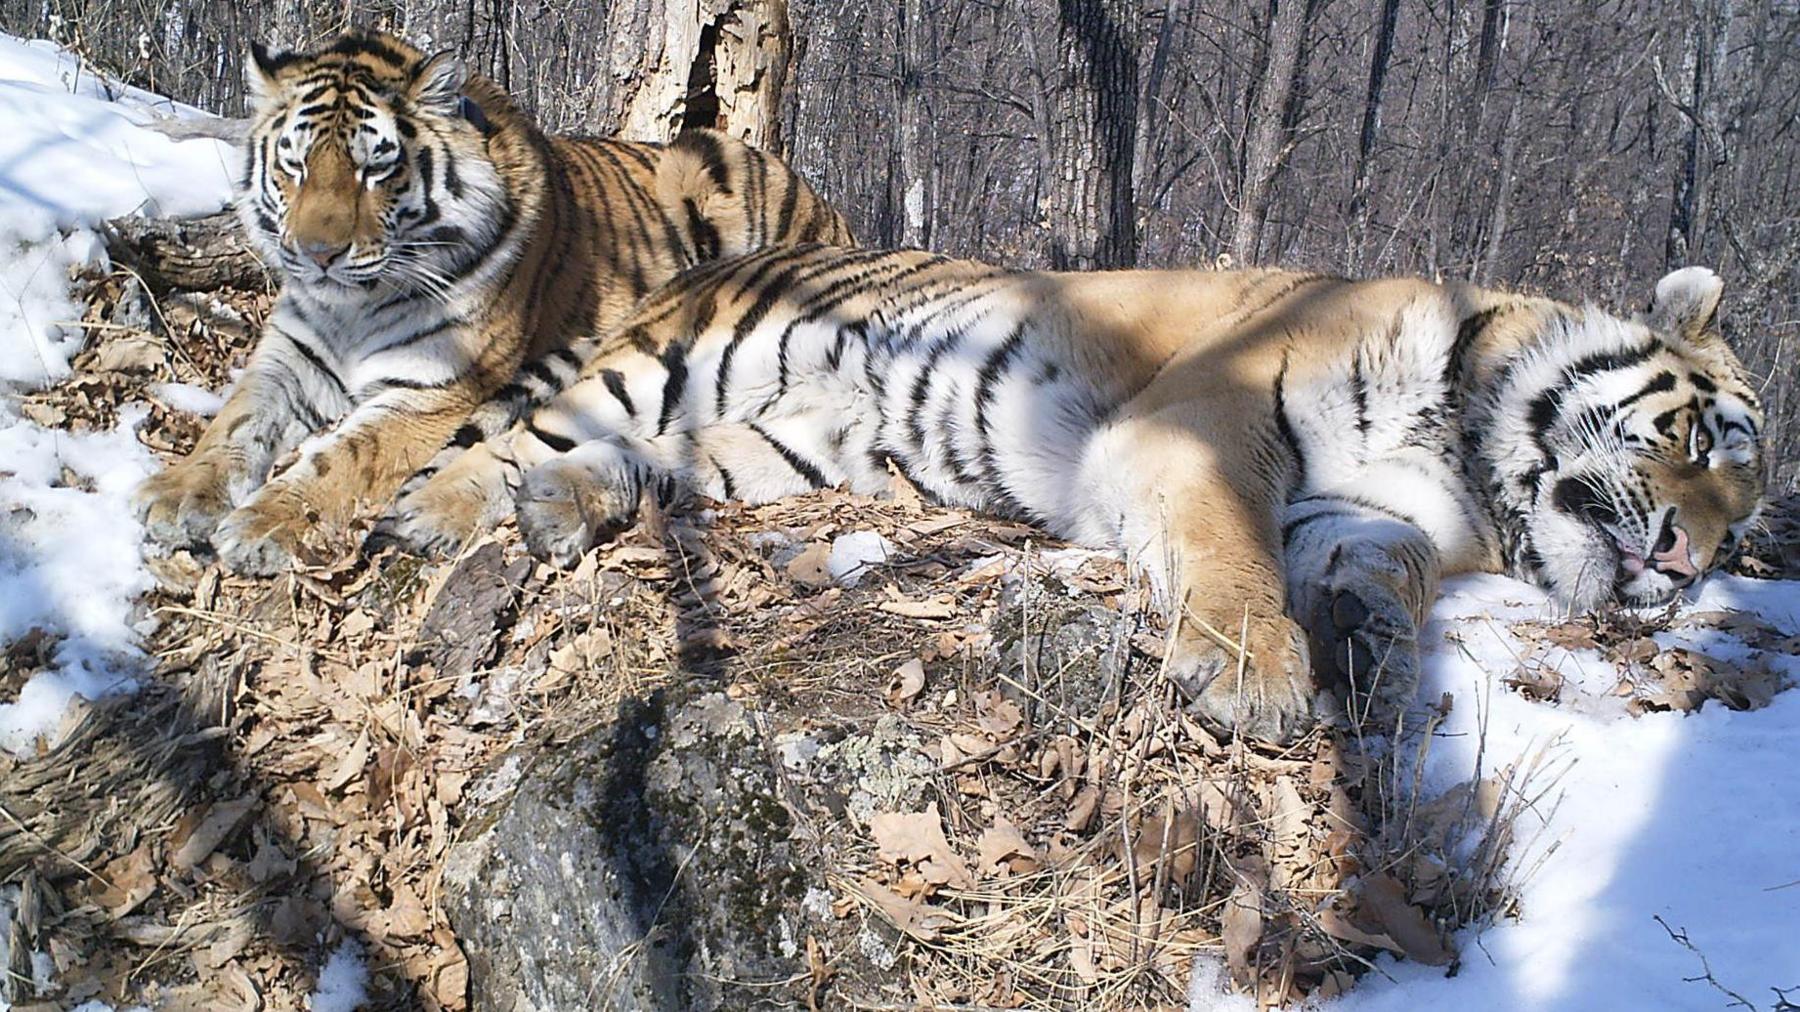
[[854, 555], [188, 397], [71, 562], [343, 982], [73, 152], [1694, 818]]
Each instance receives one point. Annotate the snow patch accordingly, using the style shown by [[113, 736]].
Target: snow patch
[[188, 397], [71, 562], [75, 152], [854, 555], [1695, 818], [343, 981]]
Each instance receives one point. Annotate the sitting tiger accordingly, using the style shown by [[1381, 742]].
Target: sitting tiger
[[1295, 459], [436, 251]]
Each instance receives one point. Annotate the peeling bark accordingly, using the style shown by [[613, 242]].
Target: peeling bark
[[720, 64]]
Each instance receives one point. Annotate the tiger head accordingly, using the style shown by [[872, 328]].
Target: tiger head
[[1644, 438], [367, 167]]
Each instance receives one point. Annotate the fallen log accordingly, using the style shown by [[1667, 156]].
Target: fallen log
[[187, 254]]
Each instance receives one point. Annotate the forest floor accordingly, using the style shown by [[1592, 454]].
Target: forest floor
[[223, 793]]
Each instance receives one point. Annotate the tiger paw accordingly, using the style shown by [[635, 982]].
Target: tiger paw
[[427, 523], [1267, 695], [180, 506], [565, 509], [1367, 647], [437, 518], [259, 537]]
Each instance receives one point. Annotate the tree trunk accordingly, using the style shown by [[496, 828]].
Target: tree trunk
[[1263, 154], [720, 64], [1089, 141], [1503, 189], [1387, 15], [913, 178]]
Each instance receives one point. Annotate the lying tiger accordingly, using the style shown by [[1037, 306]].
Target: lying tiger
[[1295, 459], [438, 252]]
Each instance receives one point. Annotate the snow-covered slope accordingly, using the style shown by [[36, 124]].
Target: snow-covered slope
[[72, 153], [1693, 818]]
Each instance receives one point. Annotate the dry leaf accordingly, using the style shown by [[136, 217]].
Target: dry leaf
[[129, 882], [911, 916], [937, 607], [1174, 835], [350, 767], [996, 714], [917, 838], [907, 682], [220, 822], [1002, 848], [133, 353], [810, 566], [1384, 902], [1082, 811], [1242, 928]]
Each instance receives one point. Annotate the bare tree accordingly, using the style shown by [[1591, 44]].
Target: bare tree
[[1088, 138], [1381, 52], [1264, 149]]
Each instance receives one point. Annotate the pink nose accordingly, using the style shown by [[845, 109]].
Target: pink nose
[[1677, 559], [322, 253]]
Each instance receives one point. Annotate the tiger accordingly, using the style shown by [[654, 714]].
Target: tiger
[[1295, 460], [443, 263]]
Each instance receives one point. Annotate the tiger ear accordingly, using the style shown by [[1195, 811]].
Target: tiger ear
[[1686, 305], [438, 82], [260, 75]]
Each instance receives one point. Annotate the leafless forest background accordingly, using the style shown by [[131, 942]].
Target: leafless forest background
[[1574, 147]]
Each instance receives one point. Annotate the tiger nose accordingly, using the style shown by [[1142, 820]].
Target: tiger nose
[[322, 253], [1673, 556]]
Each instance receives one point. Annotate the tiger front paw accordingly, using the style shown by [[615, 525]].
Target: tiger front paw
[[259, 538], [1366, 647], [181, 505], [1267, 695], [564, 509], [446, 512]]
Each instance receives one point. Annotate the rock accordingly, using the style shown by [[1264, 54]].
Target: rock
[[677, 856], [1076, 654], [650, 864]]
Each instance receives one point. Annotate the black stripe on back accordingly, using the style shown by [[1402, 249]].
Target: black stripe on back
[[615, 385], [674, 359]]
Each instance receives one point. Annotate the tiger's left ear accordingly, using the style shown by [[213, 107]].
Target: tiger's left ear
[[1686, 305], [261, 75], [437, 83]]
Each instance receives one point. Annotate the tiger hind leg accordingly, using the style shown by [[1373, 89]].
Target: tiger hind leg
[[585, 497]]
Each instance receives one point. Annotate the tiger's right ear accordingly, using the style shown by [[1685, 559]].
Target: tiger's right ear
[[1686, 306], [260, 75]]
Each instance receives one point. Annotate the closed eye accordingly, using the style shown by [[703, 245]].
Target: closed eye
[[381, 172], [1700, 442]]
